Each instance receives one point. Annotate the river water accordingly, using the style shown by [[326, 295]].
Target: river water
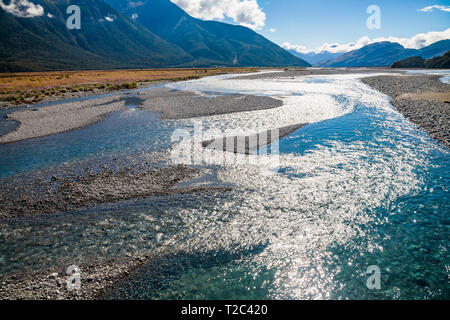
[[358, 186]]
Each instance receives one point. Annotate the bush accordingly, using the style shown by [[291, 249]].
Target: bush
[[442, 62], [412, 62]]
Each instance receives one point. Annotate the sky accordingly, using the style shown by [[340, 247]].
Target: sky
[[307, 25]]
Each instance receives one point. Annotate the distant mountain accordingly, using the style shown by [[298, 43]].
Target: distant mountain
[[440, 62], [383, 54], [435, 49], [376, 54], [209, 42], [107, 39], [316, 58]]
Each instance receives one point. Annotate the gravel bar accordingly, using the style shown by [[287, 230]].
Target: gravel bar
[[44, 121], [188, 105], [423, 99]]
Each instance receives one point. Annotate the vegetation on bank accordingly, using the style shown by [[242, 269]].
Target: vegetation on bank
[[441, 62], [30, 88]]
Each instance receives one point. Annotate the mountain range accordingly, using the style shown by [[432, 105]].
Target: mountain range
[[384, 54], [209, 42], [107, 39], [157, 34], [314, 58], [380, 54]]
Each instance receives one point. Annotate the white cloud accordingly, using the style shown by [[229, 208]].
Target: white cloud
[[431, 8], [272, 30], [416, 42], [243, 12], [298, 48], [22, 8], [109, 19], [50, 15]]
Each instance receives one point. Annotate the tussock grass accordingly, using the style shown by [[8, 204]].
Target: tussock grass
[[34, 87]]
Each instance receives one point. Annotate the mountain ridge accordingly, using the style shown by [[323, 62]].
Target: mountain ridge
[[384, 54], [44, 43], [316, 58], [109, 39], [209, 42]]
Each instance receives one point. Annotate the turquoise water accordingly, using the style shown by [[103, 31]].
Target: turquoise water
[[358, 186], [445, 73]]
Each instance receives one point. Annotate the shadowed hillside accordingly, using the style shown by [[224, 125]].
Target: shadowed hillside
[[209, 42], [45, 43], [441, 62]]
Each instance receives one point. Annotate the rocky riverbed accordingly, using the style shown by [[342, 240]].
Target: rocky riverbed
[[423, 99], [44, 121], [66, 193], [95, 279], [171, 104], [292, 73], [185, 105]]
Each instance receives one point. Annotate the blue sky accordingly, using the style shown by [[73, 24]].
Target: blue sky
[[311, 23]]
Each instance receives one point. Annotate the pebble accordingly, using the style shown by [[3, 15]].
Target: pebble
[[431, 116]]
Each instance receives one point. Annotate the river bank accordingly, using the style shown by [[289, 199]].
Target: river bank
[[171, 104], [71, 192], [422, 99], [96, 278], [44, 121], [27, 88]]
